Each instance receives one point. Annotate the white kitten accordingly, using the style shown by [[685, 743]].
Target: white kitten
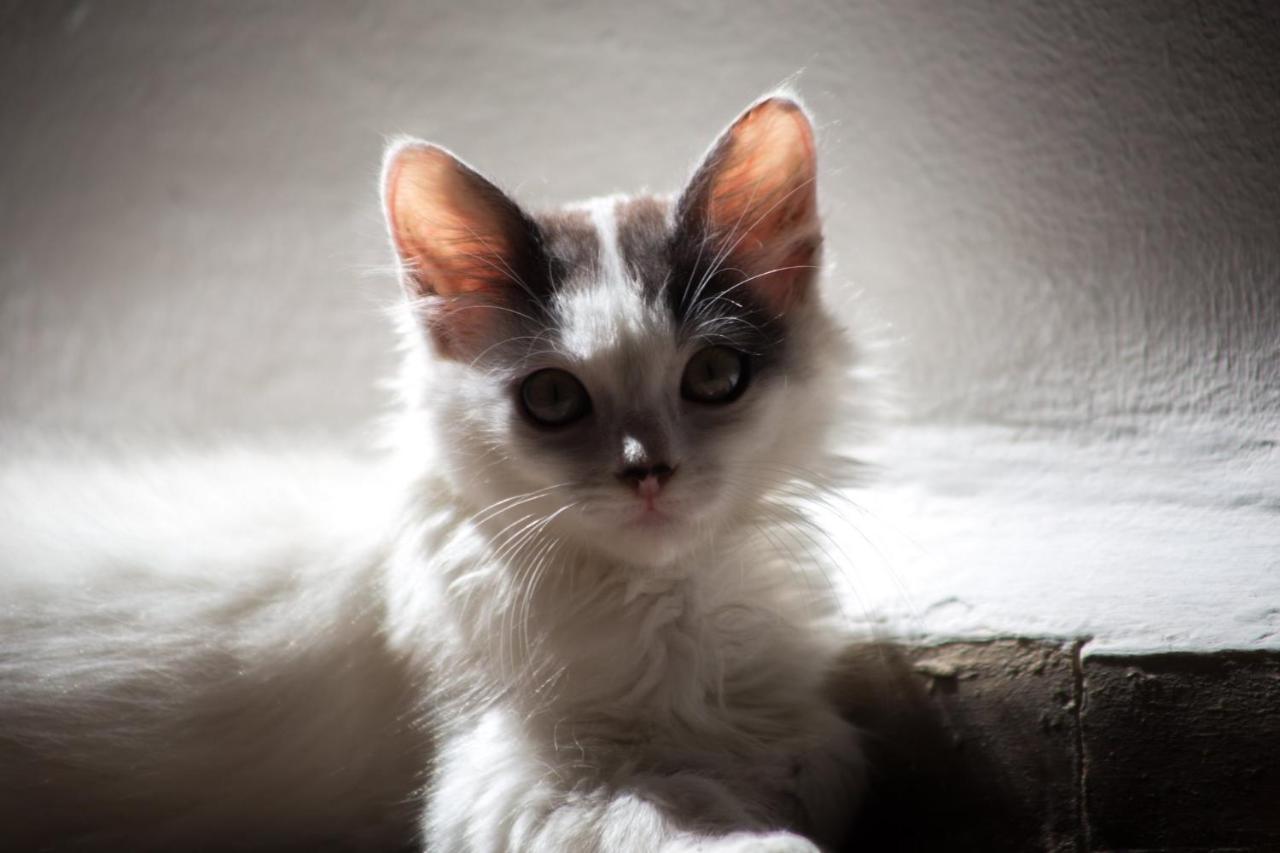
[[565, 609]]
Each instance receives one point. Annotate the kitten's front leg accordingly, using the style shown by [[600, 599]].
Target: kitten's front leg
[[523, 812], [745, 842], [494, 793]]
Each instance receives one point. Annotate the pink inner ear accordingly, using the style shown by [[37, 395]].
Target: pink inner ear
[[448, 224], [764, 189], [786, 285], [762, 201]]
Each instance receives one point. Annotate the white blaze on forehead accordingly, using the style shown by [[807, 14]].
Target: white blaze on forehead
[[604, 216], [599, 312]]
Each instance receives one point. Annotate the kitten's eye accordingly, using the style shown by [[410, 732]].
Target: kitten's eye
[[714, 375], [554, 397]]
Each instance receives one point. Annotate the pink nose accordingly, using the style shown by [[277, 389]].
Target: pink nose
[[649, 487], [647, 480]]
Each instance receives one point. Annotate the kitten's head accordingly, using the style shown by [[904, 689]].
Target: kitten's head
[[634, 372]]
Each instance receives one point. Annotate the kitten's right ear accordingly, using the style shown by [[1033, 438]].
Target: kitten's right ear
[[463, 245]]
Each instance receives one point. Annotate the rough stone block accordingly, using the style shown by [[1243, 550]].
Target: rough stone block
[[1182, 751], [973, 746]]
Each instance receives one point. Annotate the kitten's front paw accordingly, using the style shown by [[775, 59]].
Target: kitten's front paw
[[769, 842]]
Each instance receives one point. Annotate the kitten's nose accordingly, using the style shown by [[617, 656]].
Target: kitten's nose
[[651, 477]]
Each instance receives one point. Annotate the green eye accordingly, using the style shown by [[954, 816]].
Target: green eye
[[553, 397], [714, 375]]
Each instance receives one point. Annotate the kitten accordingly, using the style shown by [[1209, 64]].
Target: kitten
[[558, 619]]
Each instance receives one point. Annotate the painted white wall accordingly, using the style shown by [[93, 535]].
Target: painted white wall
[[1060, 221]]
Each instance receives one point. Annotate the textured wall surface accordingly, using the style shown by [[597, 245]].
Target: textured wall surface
[[1059, 217], [1062, 211]]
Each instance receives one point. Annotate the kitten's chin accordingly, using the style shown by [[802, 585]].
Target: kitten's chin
[[648, 540], [649, 551]]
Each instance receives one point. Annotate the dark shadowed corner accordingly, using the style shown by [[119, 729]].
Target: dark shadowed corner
[[1031, 745]]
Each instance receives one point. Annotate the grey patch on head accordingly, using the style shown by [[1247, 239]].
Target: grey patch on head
[[677, 265], [644, 241], [571, 244]]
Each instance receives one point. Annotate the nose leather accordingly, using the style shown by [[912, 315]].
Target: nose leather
[[648, 478]]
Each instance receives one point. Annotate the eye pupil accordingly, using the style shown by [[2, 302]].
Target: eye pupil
[[553, 397], [716, 374]]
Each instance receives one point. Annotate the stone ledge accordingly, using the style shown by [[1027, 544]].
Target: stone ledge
[[1025, 745]]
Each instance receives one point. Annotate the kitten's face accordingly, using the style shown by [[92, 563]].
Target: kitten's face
[[632, 373]]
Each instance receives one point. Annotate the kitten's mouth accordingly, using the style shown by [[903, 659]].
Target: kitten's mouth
[[649, 514], [650, 517]]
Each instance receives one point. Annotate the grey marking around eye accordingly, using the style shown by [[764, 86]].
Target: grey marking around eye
[[665, 264]]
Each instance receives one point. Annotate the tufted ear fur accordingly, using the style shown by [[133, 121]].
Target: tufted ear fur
[[752, 204], [466, 250]]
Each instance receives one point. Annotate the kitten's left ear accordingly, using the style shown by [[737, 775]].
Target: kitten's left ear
[[752, 205]]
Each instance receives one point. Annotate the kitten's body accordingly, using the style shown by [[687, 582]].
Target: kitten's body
[[560, 670], [193, 656]]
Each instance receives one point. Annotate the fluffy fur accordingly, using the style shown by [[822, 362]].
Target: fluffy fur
[[486, 641]]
